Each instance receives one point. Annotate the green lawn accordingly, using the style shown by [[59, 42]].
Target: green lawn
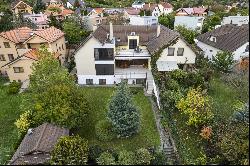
[[9, 106], [99, 98]]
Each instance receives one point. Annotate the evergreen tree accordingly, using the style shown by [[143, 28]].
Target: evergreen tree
[[122, 113]]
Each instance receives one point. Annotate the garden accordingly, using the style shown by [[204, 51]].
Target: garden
[[108, 125], [207, 111]]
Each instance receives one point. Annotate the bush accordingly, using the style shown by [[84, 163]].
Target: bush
[[197, 106], [126, 158], [223, 61], [24, 122], [143, 157], [106, 159], [14, 87], [70, 150], [159, 159], [103, 130], [134, 90], [95, 152]]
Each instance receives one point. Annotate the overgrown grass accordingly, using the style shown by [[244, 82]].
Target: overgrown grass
[[99, 98], [9, 112]]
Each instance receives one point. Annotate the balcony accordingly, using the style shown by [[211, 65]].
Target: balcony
[[136, 72], [131, 54]]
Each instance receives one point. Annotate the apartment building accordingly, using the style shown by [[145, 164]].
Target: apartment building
[[18, 49], [123, 52]]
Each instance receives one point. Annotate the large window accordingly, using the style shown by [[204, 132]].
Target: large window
[[171, 51], [132, 43], [180, 51], [2, 58], [11, 57], [104, 53], [18, 69], [104, 69]]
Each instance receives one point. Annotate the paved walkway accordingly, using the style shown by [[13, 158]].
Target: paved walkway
[[167, 143]]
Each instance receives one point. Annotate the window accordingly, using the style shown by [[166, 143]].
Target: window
[[102, 81], [20, 46], [171, 51], [2, 58], [6, 44], [140, 81], [11, 57], [18, 69], [104, 69], [29, 45], [89, 81], [210, 50], [180, 51], [104, 53], [132, 43], [62, 47]]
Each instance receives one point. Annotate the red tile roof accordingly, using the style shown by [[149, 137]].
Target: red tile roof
[[199, 10], [132, 11], [33, 54], [166, 5], [66, 12], [98, 10]]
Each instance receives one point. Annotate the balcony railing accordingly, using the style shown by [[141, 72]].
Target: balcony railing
[[132, 53], [135, 75]]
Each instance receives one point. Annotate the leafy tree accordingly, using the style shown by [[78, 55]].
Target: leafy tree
[[223, 61], [54, 22], [39, 6], [76, 4], [106, 158], [103, 130], [73, 31], [210, 22], [53, 95], [117, 19], [24, 122], [6, 21], [70, 150], [160, 158], [145, 13], [126, 158], [122, 113], [143, 157], [197, 106], [188, 34], [167, 20]]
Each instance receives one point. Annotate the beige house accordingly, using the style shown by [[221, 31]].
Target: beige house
[[123, 52], [21, 7], [18, 49]]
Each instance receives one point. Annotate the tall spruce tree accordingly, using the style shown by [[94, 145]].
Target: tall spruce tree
[[122, 113]]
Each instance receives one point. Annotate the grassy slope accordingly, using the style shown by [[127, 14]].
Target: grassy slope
[[9, 106], [99, 98]]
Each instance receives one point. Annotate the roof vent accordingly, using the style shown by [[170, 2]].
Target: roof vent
[[132, 34], [30, 131]]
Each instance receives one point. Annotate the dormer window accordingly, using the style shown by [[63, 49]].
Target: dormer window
[[213, 39], [132, 33]]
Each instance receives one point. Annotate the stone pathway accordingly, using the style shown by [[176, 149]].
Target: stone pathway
[[167, 143]]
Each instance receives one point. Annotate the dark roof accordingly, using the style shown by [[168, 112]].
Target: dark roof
[[35, 147], [228, 37], [72, 2], [147, 35]]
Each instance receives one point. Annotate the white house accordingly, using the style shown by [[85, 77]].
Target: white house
[[237, 20], [191, 22], [123, 52], [231, 38], [143, 20], [71, 3], [138, 4], [156, 10]]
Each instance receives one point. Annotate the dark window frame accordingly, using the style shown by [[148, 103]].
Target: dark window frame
[[182, 53], [89, 82], [104, 54], [12, 57], [18, 69], [104, 69], [172, 48], [2, 57], [6, 44], [133, 43], [102, 82]]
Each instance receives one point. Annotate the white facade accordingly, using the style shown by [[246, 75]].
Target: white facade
[[169, 63], [238, 20], [191, 22], [144, 20], [210, 52], [138, 5]]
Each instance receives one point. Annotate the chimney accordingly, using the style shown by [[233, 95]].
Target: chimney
[[111, 33], [158, 30]]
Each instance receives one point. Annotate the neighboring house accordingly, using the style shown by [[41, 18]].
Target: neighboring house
[[237, 20], [40, 20], [231, 38], [131, 12], [144, 20], [196, 11], [123, 52], [52, 2], [191, 22], [38, 144], [114, 11], [138, 4], [59, 11], [71, 3], [96, 12], [19, 6], [162, 8], [16, 46], [91, 22]]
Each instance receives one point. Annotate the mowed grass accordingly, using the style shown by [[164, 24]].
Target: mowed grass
[[9, 112], [99, 98]]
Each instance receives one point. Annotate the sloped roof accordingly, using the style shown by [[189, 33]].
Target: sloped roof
[[35, 147], [15, 2], [147, 35], [20, 35], [150, 6], [66, 12], [132, 11], [166, 5], [195, 10], [98, 10], [228, 37]]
